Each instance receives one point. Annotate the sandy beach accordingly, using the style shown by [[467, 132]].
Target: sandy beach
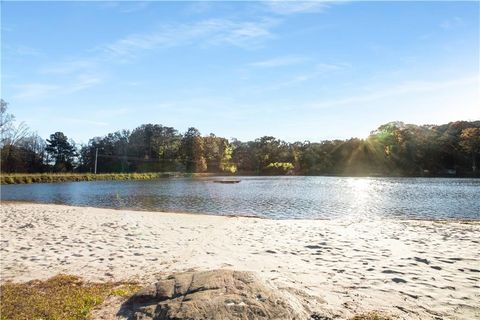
[[406, 269]]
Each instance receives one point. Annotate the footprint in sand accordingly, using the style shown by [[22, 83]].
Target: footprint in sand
[[422, 260], [313, 247], [392, 271], [399, 280]]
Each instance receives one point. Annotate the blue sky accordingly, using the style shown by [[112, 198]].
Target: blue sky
[[294, 70]]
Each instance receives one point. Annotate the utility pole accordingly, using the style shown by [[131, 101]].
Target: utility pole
[[96, 157]]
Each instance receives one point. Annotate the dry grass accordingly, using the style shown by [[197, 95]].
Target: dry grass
[[371, 316], [63, 297], [22, 178]]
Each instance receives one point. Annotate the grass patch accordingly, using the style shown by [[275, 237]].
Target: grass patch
[[63, 297], [22, 178], [371, 316]]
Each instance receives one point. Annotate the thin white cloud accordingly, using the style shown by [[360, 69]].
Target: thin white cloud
[[36, 91], [286, 7], [325, 67], [452, 23], [27, 51], [317, 70], [20, 50], [208, 32], [70, 66], [407, 88], [31, 91], [83, 82], [279, 62], [245, 34], [124, 6]]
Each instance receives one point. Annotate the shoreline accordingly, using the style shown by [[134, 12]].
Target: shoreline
[[409, 269], [29, 178]]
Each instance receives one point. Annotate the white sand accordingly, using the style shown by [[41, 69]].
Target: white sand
[[408, 269]]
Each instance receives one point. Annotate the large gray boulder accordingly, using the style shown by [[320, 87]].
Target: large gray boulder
[[217, 294]]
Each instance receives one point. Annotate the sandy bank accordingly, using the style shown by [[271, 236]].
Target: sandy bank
[[410, 269]]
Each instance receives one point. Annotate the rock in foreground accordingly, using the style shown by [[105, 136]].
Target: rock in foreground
[[217, 294]]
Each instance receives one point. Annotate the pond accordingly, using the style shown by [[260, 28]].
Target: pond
[[271, 197]]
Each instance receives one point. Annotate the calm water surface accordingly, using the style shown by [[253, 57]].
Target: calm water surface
[[272, 197]]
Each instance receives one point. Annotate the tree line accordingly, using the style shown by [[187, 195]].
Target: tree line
[[393, 149]]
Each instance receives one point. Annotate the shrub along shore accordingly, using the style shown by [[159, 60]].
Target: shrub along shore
[[23, 178]]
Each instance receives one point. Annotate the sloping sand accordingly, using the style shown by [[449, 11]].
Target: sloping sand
[[409, 269]]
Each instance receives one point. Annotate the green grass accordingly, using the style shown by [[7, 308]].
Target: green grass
[[19, 178], [63, 297]]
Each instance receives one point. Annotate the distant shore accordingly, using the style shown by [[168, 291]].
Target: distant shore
[[407, 269], [27, 178]]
